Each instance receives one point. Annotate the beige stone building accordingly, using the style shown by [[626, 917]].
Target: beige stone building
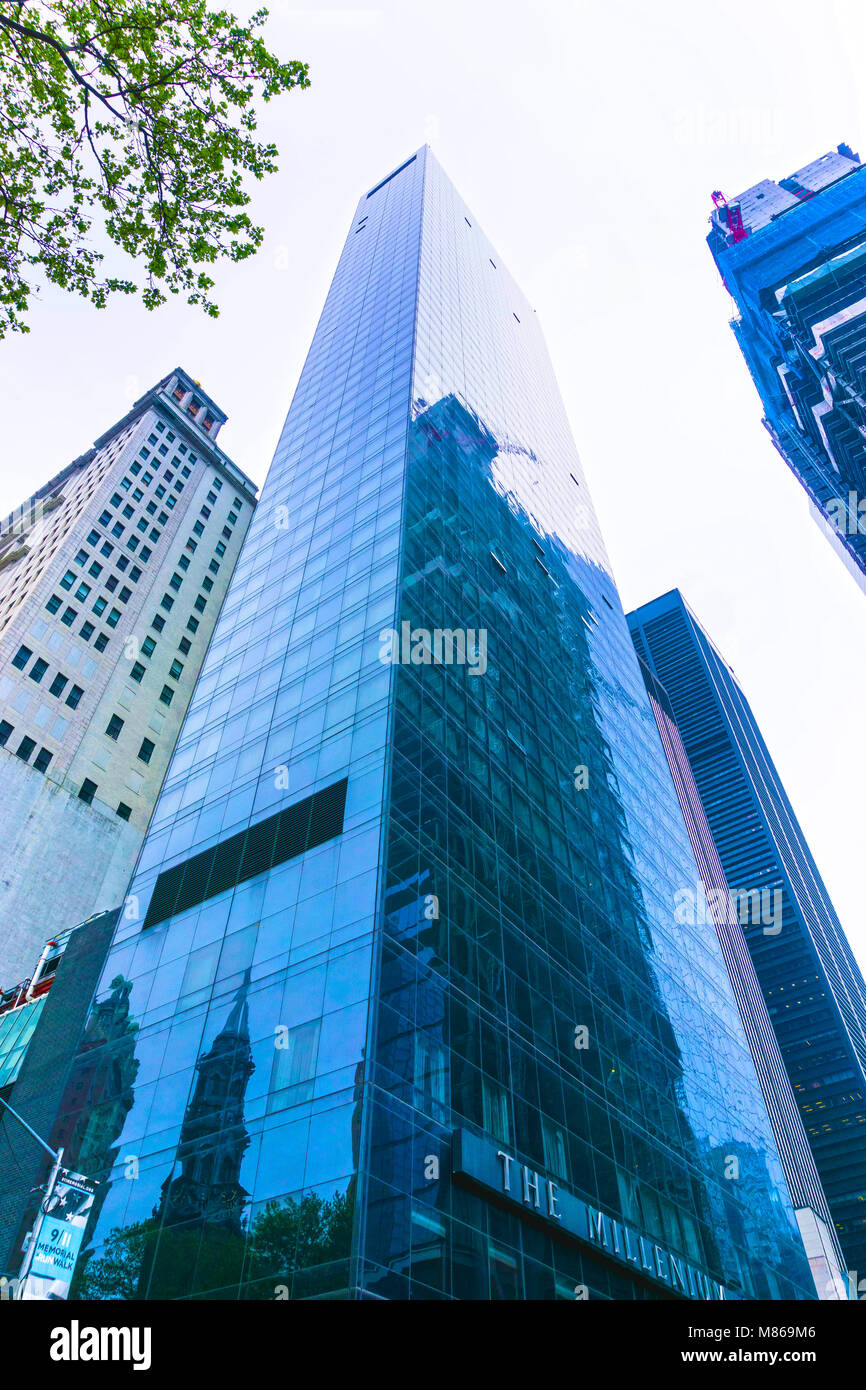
[[111, 579]]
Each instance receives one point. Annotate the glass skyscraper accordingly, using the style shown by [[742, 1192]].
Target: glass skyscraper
[[397, 1006], [793, 256], [812, 985], [807, 1195]]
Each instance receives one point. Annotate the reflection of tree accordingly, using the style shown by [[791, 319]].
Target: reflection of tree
[[284, 1237], [200, 1214], [115, 1273], [299, 1234], [199, 1238]]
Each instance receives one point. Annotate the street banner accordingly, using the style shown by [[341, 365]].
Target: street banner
[[58, 1233]]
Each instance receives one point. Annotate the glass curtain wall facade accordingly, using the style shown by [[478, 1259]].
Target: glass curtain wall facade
[[793, 256], [403, 925], [813, 988], [807, 1195]]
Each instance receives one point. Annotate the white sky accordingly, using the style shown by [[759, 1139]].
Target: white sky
[[587, 136]]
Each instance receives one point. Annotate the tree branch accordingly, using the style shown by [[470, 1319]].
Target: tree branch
[[41, 37]]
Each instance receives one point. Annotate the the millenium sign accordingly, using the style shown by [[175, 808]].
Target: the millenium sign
[[485, 1164]]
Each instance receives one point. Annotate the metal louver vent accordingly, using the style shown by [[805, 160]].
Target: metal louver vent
[[270, 842]]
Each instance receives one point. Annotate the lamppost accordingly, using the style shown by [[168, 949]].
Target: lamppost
[[57, 1156]]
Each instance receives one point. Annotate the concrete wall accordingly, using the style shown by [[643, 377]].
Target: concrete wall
[[61, 861]]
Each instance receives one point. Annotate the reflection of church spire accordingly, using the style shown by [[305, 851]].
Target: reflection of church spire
[[238, 1022], [213, 1138]]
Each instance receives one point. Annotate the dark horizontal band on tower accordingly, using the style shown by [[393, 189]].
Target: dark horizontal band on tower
[[253, 851], [392, 176]]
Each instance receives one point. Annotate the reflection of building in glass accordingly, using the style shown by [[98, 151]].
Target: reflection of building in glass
[[793, 255], [811, 983], [804, 1185], [200, 1218], [95, 1094], [468, 821], [101, 1094], [40, 1021], [436, 909], [213, 1139]]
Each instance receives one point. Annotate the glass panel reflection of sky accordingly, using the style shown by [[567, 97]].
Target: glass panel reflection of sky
[[282, 1061]]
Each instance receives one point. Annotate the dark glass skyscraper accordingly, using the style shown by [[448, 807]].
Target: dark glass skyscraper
[[804, 1185], [398, 1006], [793, 255], [812, 985]]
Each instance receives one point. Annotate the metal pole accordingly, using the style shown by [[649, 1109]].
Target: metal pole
[[37, 1225], [52, 1182], [14, 1113]]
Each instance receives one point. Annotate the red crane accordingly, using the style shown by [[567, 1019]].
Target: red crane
[[733, 215]]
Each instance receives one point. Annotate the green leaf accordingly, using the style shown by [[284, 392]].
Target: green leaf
[[133, 124]]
